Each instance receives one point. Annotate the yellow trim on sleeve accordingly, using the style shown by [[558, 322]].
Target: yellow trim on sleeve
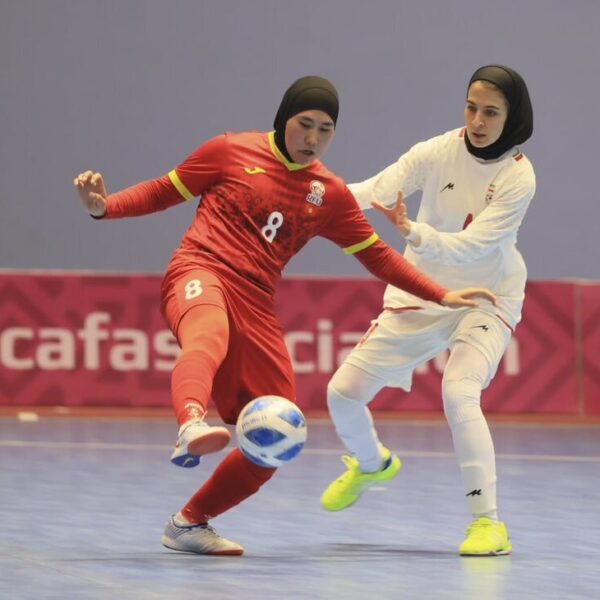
[[179, 185], [361, 245]]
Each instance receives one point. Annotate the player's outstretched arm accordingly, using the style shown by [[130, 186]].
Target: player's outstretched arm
[[92, 192], [464, 297]]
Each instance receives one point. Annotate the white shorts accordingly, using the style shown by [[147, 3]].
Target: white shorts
[[398, 342]]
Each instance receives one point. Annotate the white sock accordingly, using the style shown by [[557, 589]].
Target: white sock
[[352, 419], [181, 521], [187, 424], [461, 390]]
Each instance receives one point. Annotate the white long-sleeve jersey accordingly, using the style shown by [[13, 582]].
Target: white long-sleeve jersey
[[467, 222]]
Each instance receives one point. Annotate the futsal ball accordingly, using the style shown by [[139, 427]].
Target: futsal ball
[[271, 431]]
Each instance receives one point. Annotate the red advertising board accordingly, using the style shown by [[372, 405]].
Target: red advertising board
[[537, 373], [590, 355], [99, 340]]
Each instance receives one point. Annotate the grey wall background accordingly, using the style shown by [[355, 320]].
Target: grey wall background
[[130, 87]]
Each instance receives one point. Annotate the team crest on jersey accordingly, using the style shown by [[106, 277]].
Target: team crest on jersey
[[490, 193], [317, 191]]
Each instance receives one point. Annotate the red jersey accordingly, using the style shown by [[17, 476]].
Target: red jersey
[[257, 210]]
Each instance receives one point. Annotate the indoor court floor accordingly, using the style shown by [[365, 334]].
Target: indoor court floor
[[83, 502]]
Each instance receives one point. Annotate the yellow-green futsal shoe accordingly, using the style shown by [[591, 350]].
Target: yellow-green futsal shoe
[[486, 537], [347, 488]]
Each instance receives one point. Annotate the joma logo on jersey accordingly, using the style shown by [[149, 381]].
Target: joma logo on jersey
[[317, 191], [254, 170]]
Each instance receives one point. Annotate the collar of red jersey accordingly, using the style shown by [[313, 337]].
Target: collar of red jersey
[[291, 166]]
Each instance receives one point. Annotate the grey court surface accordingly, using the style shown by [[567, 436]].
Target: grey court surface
[[83, 503]]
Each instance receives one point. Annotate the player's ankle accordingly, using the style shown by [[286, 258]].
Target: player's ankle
[[181, 521], [492, 515], [191, 412]]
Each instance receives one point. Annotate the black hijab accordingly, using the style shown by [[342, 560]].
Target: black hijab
[[306, 93], [519, 121]]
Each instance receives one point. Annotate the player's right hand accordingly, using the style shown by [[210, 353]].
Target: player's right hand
[[464, 298], [92, 192]]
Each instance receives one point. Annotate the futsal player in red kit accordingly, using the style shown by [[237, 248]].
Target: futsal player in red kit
[[263, 197]]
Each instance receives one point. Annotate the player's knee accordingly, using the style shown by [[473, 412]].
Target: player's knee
[[340, 405], [205, 328], [339, 388], [216, 345], [461, 399], [353, 385], [335, 397], [211, 341]]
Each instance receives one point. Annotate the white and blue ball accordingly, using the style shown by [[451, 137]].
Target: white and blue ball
[[271, 431]]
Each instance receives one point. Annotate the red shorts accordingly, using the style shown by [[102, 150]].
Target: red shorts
[[257, 361]]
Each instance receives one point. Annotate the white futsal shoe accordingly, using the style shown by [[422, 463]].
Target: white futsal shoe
[[200, 539], [195, 439]]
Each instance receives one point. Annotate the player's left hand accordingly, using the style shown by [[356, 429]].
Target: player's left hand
[[397, 215], [92, 192], [463, 298]]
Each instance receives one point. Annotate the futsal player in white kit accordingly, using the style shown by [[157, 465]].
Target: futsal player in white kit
[[476, 187]]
